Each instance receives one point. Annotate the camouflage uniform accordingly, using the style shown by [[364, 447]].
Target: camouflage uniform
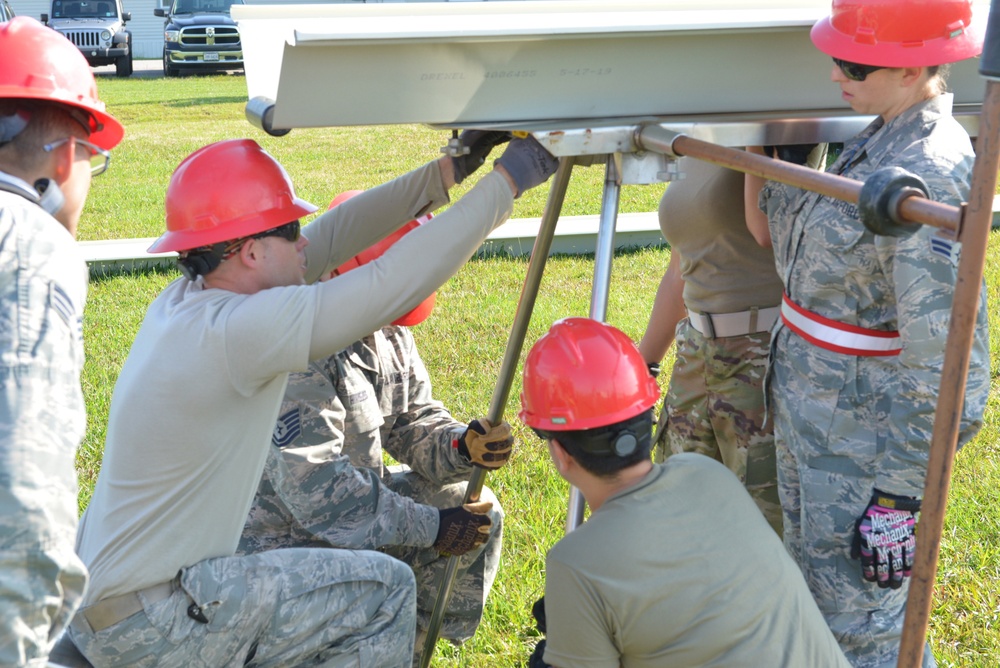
[[846, 424], [325, 482], [715, 406], [254, 608], [43, 286]]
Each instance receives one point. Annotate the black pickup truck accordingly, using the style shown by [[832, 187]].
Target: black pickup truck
[[200, 36]]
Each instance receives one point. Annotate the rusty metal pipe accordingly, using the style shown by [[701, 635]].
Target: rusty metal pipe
[[512, 355], [974, 236], [911, 209]]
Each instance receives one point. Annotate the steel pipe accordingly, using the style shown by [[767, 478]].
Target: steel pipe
[[512, 355], [604, 255], [911, 209], [974, 235]]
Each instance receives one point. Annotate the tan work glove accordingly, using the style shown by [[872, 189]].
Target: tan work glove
[[485, 445], [464, 528]]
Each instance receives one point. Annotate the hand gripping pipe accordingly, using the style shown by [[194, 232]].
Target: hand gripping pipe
[[512, 354]]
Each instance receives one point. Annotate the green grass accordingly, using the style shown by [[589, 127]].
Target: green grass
[[464, 340]]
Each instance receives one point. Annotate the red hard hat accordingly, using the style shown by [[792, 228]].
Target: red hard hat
[[227, 190], [584, 374], [41, 64], [424, 308], [901, 33]]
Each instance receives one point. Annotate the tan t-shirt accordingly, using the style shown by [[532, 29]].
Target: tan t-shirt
[[723, 267], [681, 570]]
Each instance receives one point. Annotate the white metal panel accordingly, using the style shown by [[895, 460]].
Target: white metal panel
[[499, 62]]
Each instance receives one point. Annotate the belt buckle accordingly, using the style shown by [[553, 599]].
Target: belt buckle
[[709, 327]]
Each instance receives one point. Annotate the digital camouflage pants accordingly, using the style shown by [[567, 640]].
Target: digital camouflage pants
[[282, 608], [715, 406]]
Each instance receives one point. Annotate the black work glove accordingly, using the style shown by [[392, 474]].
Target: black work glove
[[884, 540], [538, 612], [535, 660], [479, 143], [464, 528], [654, 369], [485, 445], [794, 153], [528, 163]]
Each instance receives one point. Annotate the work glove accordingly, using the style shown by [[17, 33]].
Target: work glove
[[479, 143], [528, 163], [464, 528], [485, 445], [884, 540], [538, 612], [536, 660]]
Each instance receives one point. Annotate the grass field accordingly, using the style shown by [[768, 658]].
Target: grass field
[[463, 342]]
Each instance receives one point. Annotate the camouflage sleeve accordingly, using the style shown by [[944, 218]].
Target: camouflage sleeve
[[421, 436], [341, 505], [923, 270]]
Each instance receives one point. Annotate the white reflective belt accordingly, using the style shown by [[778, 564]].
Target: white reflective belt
[[836, 336], [722, 325]]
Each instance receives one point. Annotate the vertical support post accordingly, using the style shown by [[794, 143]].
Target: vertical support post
[[602, 285], [512, 355], [974, 233], [951, 395]]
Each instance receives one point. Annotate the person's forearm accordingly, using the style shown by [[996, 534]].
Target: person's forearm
[[357, 223], [668, 310], [358, 302], [756, 219]]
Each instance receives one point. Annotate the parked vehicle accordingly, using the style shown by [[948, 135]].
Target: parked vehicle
[[97, 27], [200, 35]]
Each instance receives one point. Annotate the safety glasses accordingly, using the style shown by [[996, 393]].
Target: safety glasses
[[99, 157], [855, 71], [290, 231]]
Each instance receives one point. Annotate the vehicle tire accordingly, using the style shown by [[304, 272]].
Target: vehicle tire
[[168, 71], [123, 66]]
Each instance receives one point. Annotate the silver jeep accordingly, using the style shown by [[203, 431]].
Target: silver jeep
[[97, 28]]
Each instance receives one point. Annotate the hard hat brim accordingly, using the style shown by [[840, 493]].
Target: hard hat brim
[[183, 240], [938, 51]]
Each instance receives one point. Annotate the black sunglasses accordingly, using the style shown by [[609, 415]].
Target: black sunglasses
[[290, 231], [855, 71]]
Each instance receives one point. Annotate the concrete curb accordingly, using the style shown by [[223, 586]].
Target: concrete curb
[[575, 235]]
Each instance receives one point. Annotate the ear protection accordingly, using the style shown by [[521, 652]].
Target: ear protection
[[625, 444], [193, 265], [50, 196], [599, 442]]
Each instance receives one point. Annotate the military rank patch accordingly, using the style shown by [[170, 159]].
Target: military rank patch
[[946, 247], [63, 305], [287, 429]]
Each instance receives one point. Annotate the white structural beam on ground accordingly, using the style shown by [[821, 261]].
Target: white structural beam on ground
[[574, 235]]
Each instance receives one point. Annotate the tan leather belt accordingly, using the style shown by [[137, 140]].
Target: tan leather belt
[[110, 611], [721, 325]]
